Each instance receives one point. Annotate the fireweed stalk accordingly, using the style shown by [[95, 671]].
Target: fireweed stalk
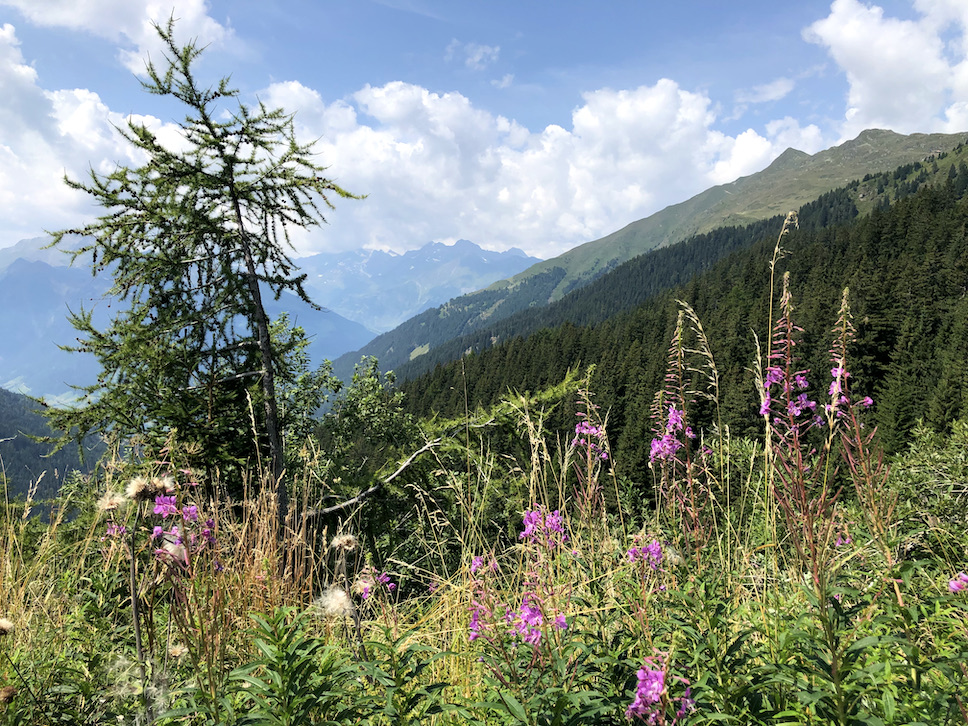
[[683, 492], [519, 634]]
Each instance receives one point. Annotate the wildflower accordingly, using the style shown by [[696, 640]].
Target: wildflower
[[165, 506], [765, 406], [866, 402], [664, 448], [140, 489], [344, 543], [177, 651], [335, 601], [163, 483], [190, 513], [675, 420], [959, 583], [648, 693], [650, 554], [561, 622], [529, 619], [110, 501], [113, 530], [542, 526], [476, 563], [6, 626], [384, 579]]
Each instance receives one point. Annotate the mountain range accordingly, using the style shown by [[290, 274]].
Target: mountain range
[[360, 292], [793, 179]]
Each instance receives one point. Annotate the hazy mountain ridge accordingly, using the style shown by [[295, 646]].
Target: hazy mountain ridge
[[383, 289], [38, 285], [793, 179]]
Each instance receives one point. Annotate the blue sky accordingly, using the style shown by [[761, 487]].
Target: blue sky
[[539, 125]]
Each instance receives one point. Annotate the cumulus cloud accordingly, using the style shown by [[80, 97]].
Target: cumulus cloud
[[436, 167], [128, 23], [901, 74], [47, 134]]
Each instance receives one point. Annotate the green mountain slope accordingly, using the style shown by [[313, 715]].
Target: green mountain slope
[[905, 264], [792, 180]]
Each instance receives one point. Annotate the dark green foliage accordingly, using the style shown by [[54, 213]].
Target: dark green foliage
[[905, 267]]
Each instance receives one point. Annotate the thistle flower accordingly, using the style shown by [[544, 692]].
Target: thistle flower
[[334, 602], [110, 501], [140, 489], [344, 543], [6, 626]]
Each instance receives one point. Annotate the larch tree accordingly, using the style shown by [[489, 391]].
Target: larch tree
[[193, 238]]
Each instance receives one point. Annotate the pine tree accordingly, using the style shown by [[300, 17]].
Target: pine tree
[[191, 239]]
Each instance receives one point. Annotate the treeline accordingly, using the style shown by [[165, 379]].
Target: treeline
[[906, 265]]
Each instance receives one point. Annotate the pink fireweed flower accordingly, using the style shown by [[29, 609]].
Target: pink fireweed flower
[[651, 554], [543, 527], [648, 694], [165, 505], [959, 583], [665, 448], [587, 434], [528, 619], [190, 513], [561, 622]]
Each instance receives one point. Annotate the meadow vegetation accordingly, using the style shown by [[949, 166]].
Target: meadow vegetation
[[489, 570]]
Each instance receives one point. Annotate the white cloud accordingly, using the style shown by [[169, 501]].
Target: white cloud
[[772, 91], [128, 23], [435, 167], [45, 135], [902, 74], [504, 82], [477, 57]]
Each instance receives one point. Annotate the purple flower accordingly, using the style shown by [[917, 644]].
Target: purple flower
[[561, 622], [113, 530], [648, 694], [765, 406], [959, 583], [545, 527], [801, 381], [665, 448], [165, 506], [867, 402], [675, 420], [476, 563], [190, 513], [773, 375], [651, 554]]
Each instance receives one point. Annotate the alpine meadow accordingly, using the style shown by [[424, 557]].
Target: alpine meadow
[[724, 481]]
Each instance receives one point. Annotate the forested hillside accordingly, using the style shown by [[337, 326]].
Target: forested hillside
[[793, 179], [25, 462], [906, 265]]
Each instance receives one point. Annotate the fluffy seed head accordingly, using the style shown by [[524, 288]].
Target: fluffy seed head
[[110, 501], [6, 626], [334, 601], [344, 543]]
